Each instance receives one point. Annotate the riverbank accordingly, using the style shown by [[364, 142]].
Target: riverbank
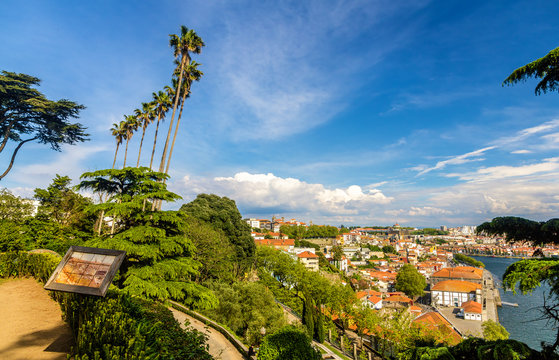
[[523, 322]]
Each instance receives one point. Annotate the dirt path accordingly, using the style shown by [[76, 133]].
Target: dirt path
[[31, 326], [220, 347]]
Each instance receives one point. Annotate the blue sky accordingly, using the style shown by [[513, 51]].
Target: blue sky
[[338, 112]]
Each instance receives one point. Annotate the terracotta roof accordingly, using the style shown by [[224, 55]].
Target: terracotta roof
[[307, 254], [434, 321], [460, 272], [471, 307], [275, 242], [364, 293], [456, 286], [414, 308], [374, 299], [399, 298]]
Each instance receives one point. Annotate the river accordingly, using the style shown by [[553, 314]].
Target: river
[[521, 322]]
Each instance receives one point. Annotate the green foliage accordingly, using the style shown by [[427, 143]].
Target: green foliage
[[10, 236], [159, 261], [245, 308], [520, 229], [43, 233], [494, 331], [309, 232], [13, 208], [286, 344], [305, 243], [223, 215], [477, 349], [212, 249], [410, 281], [27, 115], [38, 265], [468, 260], [429, 231], [60, 204], [545, 68], [337, 252], [309, 315], [389, 249]]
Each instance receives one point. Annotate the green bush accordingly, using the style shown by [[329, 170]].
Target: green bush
[[288, 343]]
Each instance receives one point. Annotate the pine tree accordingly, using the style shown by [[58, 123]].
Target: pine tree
[[159, 257]]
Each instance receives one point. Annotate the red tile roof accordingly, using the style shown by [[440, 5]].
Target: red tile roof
[[460, 272], [456, 286], [471, 307], [307, 254]]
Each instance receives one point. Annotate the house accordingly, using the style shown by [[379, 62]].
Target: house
[[397, 301], [433, 321], [464, 273], [282, 244], [415, 311], [309, 260], [455, 292], [472, 310]]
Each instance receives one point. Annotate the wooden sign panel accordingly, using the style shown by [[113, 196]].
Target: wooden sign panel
[[86, 270]]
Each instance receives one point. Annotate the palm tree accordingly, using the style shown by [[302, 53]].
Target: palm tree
[[146, 117], [191, 74], [130, 125], [120, 134], [160, 105], [188, 42]]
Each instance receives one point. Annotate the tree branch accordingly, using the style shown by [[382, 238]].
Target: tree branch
[[14, 156], [7, 133]]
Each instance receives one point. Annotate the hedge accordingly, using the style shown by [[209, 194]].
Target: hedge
[[115, 327]]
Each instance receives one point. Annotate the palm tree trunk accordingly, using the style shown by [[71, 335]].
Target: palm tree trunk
[[187, 90], [116, 152], [141, 143], [177, 96], [126, 152], [155, 140]]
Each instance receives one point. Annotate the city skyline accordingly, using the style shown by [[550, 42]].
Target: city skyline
[[353, 113]]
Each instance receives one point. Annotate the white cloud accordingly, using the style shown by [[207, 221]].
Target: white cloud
[[267, 191], [522, 151], [460, 159], [506, 171], [69, 162]]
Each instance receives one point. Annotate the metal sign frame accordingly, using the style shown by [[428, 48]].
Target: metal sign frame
[[101, 290]]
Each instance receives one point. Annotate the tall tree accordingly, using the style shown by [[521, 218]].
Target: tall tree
[[131, 124], [146, 117], [222, 213], [410, 281], [192, 73], [188, 42], [119, 132], [61, 204], [161, 103], [13, 207], [546, 69], [159, 260], [26, 115]]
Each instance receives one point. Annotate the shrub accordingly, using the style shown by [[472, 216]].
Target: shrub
[[288, 343]]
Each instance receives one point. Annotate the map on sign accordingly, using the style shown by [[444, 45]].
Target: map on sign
[[86, 270]]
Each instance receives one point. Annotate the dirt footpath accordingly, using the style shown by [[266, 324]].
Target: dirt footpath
[[220, 347], [31, 326]]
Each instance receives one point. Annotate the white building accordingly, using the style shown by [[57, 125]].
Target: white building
[[472, 310], [455, 292], [309, 260]]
